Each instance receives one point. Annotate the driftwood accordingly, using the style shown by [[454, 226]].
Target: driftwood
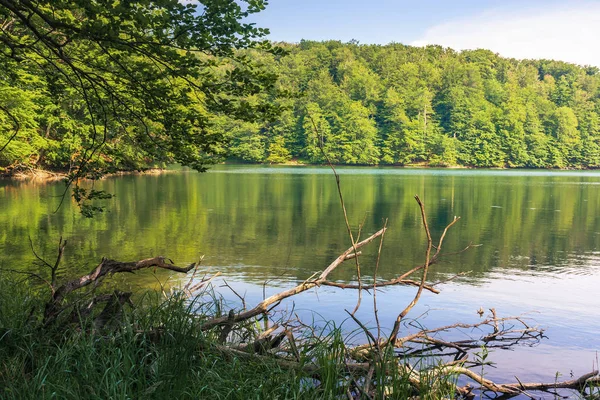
[[106, 267], [279, 343], [515, 389]]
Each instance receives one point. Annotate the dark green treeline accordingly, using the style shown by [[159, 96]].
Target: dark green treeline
[[398, 104], [367, 105]]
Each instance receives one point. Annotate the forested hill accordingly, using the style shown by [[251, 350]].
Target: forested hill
[[399, 104], [367, 104]]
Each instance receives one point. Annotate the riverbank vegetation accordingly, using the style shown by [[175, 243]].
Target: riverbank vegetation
[[160, 351]]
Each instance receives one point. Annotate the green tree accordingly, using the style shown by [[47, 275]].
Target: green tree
[[565, 130], [317, 131], [140, 79], [403, 137], [149, 73], [277, 151]]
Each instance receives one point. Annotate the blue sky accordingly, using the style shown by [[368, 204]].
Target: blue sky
[[567, 30]]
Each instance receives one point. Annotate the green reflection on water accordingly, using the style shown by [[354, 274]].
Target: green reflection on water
[[260, 223]]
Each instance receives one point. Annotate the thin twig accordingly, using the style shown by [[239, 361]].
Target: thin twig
[[348, 228], [409, 307], [375, 311]]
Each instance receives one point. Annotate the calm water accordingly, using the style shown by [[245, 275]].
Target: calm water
[[539, 234]]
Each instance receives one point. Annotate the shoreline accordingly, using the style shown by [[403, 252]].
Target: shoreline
[[407, 166], [47, 176], [41, 175]]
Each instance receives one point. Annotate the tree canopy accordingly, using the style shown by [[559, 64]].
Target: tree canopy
[[100, 85], [400, 105]]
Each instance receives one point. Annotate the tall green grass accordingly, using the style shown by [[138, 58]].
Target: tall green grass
[[160, 352]]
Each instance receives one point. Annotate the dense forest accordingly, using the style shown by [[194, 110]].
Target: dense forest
[[366, 105], [400, 104]]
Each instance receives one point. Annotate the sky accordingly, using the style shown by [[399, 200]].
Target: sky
[[567, 30]]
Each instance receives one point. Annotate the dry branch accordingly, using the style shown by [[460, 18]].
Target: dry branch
[[515, 389], [106, 267], [348, 228], [391, 282], [264, 305], [112, 267], [426, 265], [427, 340]]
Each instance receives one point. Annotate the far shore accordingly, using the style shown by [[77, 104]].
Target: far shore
[[295, 163], [41, 175]]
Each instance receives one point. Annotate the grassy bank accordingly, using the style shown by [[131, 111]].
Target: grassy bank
[[158, 351], [130, 362]]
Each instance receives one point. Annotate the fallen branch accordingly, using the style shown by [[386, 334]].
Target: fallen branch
[[515, 389], [426, 265], [264, 305], [106, 267], [392, 282], [366, 367], [425, 340]]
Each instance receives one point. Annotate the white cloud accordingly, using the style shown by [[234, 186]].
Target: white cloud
[[569, 33]]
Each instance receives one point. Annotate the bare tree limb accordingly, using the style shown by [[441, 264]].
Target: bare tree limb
[[264, 305], [348, 228], [514, 389], [53, 307], [17, 127], [409, 307]]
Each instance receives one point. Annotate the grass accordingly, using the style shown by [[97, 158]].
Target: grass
[[160, 352]]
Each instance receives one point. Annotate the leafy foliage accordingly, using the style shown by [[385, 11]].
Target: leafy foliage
[[97, 86]]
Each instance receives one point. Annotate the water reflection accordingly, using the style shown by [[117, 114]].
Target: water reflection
[[288, 220]]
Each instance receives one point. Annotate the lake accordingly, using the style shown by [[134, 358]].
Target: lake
[[538, 231]]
